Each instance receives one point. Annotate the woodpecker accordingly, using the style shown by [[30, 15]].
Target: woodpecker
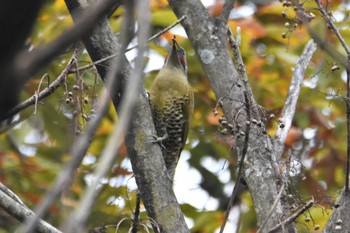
[[171, 100]]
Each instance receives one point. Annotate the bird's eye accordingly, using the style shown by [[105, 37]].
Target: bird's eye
[[182, 57]]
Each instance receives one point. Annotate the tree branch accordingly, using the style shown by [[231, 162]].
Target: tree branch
[[146, 158], [128, 49], [77, 221], [292, 97], [15, 207], [44, 93], [28, 63], [209, 39], [292, 218], [225, 13]]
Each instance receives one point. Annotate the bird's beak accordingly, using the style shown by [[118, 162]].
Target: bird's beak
[[173, 53], [176, 57]]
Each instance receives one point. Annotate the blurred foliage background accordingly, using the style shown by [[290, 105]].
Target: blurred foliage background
[[272, 38]]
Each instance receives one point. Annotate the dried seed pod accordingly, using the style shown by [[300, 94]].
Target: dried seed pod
[[76, 88], [335, 68], [86, 100], [84, 116], [221, 119], [224, 123], [224, 131]]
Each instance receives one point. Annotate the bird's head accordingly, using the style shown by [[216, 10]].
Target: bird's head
[[176, 57]]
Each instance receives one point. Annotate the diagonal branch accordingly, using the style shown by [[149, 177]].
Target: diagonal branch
[[292, 97], [44, 93], [28, 63], [80, 216], [279, 227], [225, 13], [146, 158], [22, 213], [128, 49]]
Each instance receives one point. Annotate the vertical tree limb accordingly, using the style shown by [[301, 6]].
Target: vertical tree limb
[[146, 158], [292, 98]]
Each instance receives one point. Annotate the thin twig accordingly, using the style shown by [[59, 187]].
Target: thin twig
[[238, 60], [44, 93], [292, 218], [325, 46], [28, 63], [135, 224], [131, 48], [36, 95], [261, 228], [331, 24], [348, 131], [240, 167]]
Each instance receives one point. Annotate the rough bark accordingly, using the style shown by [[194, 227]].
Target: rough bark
[[208, 37], [340, 218], [22, 213]]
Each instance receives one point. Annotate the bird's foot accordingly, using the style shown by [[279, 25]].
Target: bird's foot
[[159, 140]]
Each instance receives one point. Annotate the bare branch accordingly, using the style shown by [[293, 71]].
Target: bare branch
[[325, 46], [28, 63], [44, 93], [79, 218], [261, 228], [292, 218], [128, 49], [225, 13], [331, 24], [292, 97], [239, 62], [18, 210], [79, 148], [149, 171], [240, 167]]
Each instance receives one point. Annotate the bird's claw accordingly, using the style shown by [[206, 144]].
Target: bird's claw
[[159, 140]]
